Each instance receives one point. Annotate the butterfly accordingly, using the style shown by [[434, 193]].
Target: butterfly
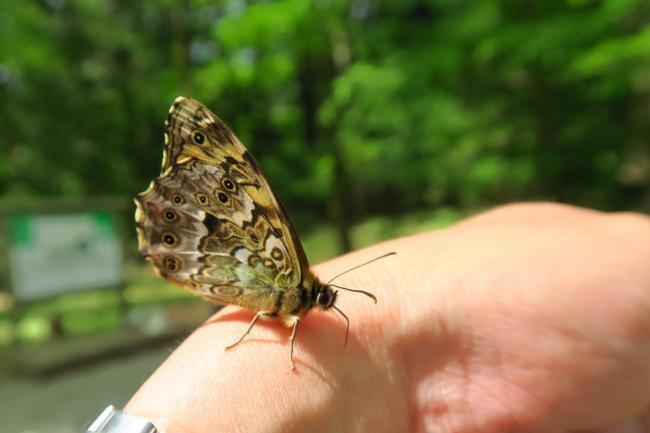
[[212, 224]]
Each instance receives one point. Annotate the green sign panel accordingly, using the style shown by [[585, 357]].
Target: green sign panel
[[53, 254]]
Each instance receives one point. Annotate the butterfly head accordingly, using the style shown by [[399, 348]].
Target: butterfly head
[[326, 297]]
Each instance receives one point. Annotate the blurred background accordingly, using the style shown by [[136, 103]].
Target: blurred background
[[371, 118]]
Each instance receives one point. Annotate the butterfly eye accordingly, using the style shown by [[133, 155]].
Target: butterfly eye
[[170, 215], [178, 199], [169, 239], [326, 298], [228, 184], [201, 198], [172, 264], [323, 298], [223, 197], [198, 137]]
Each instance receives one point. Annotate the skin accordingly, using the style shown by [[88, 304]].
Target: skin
[[527, 318]]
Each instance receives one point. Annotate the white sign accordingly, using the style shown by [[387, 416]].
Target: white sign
[[53, 254]]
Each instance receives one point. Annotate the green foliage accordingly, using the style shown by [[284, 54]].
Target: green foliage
[[352, 107]]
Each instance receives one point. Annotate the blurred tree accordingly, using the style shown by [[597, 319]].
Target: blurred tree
[[352, 107]]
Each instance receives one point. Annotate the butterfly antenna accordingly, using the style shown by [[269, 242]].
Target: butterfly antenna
[[358, 266], [347, 324], [370, 295]]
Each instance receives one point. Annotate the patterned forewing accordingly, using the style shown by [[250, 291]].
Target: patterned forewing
[[211, 222], [221, 148]]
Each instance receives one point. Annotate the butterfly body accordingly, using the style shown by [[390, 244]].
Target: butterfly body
[[212, 224]]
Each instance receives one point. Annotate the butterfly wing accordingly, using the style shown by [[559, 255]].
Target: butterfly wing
[[211, 222]]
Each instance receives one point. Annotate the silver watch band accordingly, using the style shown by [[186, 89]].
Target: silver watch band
[[112, 420]]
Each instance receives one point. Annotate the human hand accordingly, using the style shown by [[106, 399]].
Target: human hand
[[528, 318]]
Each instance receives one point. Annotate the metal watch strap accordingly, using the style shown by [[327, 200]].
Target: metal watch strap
[[112, 420]]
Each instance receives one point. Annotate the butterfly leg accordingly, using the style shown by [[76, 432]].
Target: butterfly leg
[[257, 316], [296, 321]]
